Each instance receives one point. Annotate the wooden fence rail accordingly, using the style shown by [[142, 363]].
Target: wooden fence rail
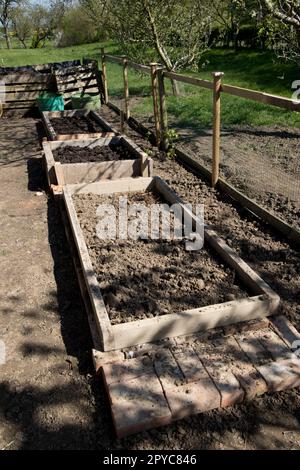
[[158, 75]]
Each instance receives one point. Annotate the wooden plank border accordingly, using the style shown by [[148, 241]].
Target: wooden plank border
[[72, 173], [264, 303], [188, 80], [109, 131]]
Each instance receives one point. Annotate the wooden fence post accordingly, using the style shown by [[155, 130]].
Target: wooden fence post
[[163, 110], [126, 88], [154, 84], [217, 76], [104, 75]]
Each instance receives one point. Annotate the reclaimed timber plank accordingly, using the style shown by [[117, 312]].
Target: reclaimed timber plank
[[97, 343], [100, 312], [190, 321], [219, 370], [189, 80], [75, 173], [261, 97], [117, 186]]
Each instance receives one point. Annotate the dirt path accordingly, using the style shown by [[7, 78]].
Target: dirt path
[[49, 398], [46, 394]]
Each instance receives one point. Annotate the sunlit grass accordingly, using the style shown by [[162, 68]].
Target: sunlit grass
[[250, 69]]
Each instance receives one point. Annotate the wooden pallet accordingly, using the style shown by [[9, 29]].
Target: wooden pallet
[[23, 88], [187, 375], [82, 78], [264, 301], [109, 131], [72, 173]]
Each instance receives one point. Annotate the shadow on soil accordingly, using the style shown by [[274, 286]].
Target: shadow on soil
[[241, 424]]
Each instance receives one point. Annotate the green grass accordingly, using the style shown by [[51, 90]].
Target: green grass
[[48, 54], [250, 69], [193, 109]]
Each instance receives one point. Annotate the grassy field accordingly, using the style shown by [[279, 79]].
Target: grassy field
[[250, 69]]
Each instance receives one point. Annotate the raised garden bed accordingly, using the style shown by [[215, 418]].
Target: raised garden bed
[[75, 125], [143, 291], [85, 161]]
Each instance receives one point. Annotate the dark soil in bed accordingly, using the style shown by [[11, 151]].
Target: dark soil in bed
[[76, 125], [143, 278], [107, 153]]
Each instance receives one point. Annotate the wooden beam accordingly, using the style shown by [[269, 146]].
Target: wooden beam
[[217, 76], [60, 178], [280, 225], [114, 58], [97, 341], [90, 143], [139, 67], [105, 124], [95, 135], [163, 111], [102, 320], [75, 173], [123, 185], [189, 80], [190, 321], [247, 274], [264, 98], [26, 77]]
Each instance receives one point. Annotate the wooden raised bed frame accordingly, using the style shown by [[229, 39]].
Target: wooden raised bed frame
[[265, 301], [52, 135], [88, 172]]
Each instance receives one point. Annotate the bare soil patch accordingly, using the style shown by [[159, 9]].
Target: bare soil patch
[[50, 398], [263, 162], [76, 125], [144, 278], [107, 153]]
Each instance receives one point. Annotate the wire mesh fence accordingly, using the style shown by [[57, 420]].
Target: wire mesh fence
[[259, 142], [264, 164]]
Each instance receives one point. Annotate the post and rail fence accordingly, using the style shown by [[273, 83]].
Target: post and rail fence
[[158, 74]]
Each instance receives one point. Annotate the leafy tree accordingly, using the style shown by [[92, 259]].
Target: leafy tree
[[22, 25], [175, 32], [99, 13], [284, 27], [46, 20], [77, 27], [6, 12]]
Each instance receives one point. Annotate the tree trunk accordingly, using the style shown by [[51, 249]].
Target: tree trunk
[[7, 38], [175, 88]]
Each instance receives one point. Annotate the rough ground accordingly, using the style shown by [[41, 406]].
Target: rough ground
[[263, 162], [49, 398], [145, 278]]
